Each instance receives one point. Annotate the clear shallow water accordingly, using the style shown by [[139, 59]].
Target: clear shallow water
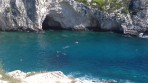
[[88, 55]]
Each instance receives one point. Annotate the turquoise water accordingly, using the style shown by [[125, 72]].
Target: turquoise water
[[86, 55]]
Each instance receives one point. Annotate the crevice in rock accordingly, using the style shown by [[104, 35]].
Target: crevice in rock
[[30, 8], [50, 23], [14, 10]]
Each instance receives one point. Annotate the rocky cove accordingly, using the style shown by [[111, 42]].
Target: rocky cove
[[43, 15], [40, 15]]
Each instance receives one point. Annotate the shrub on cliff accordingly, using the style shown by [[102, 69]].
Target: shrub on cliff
[[108, 5]]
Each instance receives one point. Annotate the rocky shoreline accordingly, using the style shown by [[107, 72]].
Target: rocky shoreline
[[44, 77]]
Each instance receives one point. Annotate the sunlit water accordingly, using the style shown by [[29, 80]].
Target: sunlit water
[[86, 55]]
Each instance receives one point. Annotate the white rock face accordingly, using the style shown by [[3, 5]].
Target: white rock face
[[50, 77], [18, 74], [38, 15], [29, 15], [47, 77], [2, 81]]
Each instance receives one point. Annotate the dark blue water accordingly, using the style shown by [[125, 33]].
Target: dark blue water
[[89, 55]]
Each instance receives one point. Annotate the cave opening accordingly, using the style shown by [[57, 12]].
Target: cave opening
[[50, 24]]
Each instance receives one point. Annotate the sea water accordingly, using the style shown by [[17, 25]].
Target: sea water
[[85, 55]]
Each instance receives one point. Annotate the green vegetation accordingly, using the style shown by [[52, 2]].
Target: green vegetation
[[100, 4], [108, 5], [83, 1], [5, 77]]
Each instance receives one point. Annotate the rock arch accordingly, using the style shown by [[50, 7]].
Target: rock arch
[[50, 23]]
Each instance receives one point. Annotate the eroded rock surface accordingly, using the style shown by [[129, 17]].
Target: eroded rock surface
[[30, 15], [38, 15], [48, 77]]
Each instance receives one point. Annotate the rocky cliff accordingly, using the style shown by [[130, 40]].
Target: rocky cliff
[[38, 15], [139, 15]]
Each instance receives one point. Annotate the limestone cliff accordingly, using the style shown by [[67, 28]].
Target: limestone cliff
[[139, 15], [128, 16], [38, 15], [30, 15]]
